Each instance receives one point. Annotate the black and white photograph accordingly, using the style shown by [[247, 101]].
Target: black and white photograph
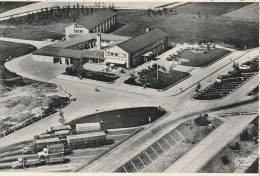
[[129, 86]]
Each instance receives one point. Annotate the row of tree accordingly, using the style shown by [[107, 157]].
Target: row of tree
[[160, 12], [48, 15]]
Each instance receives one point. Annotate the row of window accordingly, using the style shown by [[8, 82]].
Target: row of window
[[116, 54], [79, 31], [78, 26]]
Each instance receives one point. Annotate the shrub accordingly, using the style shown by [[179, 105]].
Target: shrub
[[236, 146], [225, 160], [244, 136], [201, 121]]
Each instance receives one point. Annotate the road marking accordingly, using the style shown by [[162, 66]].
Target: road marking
[[74, 157], [141, 161], [167, 142], [125, 169], [134, 166], [154, 151], [173, 138], [161, 147], [148, 156], [86, 149], [180, 134]]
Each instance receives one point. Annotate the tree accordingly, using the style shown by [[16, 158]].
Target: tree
[[201, 121], [244, 136], [225, 159]]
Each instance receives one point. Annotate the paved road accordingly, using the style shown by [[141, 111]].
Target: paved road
[[181, 106], [198, 156]]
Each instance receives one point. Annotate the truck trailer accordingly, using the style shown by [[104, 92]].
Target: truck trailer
[[86, 140], [58, 128], [87, 127], [60, 134], [39, 144]]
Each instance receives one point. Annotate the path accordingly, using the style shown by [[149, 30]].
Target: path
[[37, 44], [198, 156]]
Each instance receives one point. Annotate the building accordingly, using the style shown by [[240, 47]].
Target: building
[[89, 48], [100, 21], [106, 49], [137, 50]]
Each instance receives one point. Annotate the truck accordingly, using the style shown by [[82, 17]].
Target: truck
[[86, 140], [87, 127], [39, 144], [51, 149], [35, 161], [58, 128], [60, 134], [26, 162]]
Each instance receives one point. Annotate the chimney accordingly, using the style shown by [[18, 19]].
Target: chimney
[[98, 42]]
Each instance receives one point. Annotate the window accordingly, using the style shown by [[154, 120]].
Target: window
[[76, 31], [108, 53], [112, 54], [116, 54], [81, 31], [124, 55]]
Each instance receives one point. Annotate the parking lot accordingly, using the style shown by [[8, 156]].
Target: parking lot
[[79, 157], [153, 152]]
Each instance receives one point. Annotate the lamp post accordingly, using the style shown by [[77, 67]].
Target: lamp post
[[157, 72], [97, 115]]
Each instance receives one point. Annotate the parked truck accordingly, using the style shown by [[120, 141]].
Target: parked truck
[[51, 149], [35, 161], [39, 144], [58, 128], [60, 134], [86, 140], [26, 162], [87, 127]]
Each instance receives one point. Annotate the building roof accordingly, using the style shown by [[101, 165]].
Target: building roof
[[68, 53], [89, 36], [141, 41], [94, 19]]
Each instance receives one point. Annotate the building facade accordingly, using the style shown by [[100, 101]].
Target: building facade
[[100, 21], [138, 50]]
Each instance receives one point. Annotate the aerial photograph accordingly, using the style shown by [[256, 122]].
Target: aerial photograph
[[129, 87]]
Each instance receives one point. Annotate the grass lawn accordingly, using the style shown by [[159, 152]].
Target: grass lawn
[[184, 28], [216, 164], [14, 50], [122, 118], [202, 59], [165, 79], [254, 168], [211, 8], [5, 6]]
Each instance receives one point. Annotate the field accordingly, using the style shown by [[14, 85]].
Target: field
[[181, 27], [202, 59], [185, 28], [122, 118], [5, 6], [211, 8], [235, 149], [164, 79], [247, 13]]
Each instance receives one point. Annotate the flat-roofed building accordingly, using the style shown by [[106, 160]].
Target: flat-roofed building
[[136, 50], [100, 21]]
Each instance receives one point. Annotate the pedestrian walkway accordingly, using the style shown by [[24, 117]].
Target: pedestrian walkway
[[248, 161], [198, 156], [37, 44]]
